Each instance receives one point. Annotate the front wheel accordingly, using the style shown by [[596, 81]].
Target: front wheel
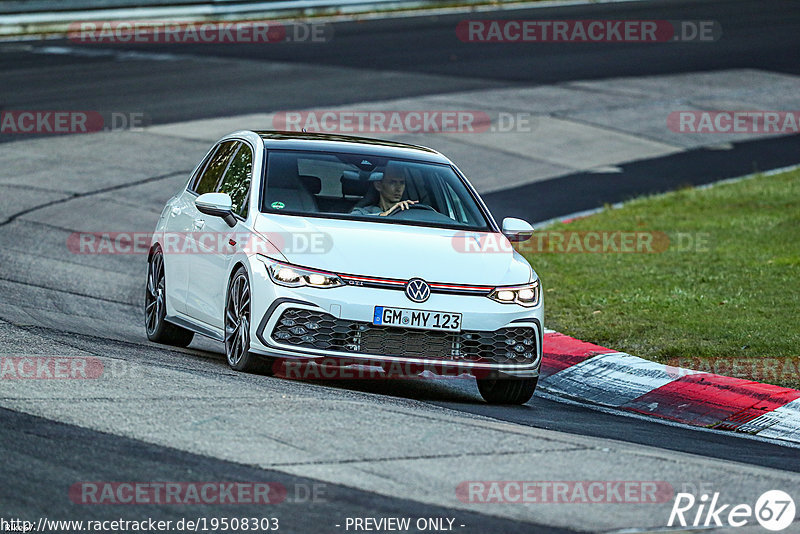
[[237, 325], [507, 391]]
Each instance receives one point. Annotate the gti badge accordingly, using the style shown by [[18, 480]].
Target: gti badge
[[418, 290]]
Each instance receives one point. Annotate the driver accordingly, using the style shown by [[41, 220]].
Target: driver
[[390, 190]]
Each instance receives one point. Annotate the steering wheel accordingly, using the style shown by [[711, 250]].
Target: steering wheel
[[413, 207]]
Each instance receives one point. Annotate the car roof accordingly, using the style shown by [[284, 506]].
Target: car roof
[[347, 143]]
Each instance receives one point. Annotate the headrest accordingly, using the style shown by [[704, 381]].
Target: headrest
[[353, 185], [312, 183]]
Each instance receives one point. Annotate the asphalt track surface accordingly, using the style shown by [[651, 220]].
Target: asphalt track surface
[[366, 61], [47, 447]]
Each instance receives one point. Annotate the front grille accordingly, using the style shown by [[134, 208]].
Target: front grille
[[318, 330]]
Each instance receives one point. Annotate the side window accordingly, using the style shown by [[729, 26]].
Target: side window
[[199, 170], [236, 181], [213, 172]]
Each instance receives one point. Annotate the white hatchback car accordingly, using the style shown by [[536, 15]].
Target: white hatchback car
[[309, 247]]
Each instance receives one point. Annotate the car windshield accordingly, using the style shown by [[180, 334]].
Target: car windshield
[[368, 188]]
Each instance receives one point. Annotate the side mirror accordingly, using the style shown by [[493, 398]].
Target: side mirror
[[217, 205], [517, 230]]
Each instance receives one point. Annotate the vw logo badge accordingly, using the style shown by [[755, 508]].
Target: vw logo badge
[[418, 290]]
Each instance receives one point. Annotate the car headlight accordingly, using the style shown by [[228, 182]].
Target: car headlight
[[286, 274], [525, 295]]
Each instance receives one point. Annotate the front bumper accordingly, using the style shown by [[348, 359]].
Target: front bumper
[[295, 328]]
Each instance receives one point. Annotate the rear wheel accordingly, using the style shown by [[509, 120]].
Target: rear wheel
[[237, 325], [507, 391], [155, 307]]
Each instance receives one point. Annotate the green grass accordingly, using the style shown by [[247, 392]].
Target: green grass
[[730, 306]]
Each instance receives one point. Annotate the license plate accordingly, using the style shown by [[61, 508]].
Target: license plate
[[420, 319]]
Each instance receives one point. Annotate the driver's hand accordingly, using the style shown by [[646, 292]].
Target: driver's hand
[[402, 205]]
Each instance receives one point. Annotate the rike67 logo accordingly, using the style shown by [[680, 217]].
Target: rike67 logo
[[774, 510]]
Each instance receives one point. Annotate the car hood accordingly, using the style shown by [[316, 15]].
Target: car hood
[[394, 250]]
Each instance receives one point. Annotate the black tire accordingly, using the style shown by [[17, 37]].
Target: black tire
[[155, 307], [237, 326], [507, 391]]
